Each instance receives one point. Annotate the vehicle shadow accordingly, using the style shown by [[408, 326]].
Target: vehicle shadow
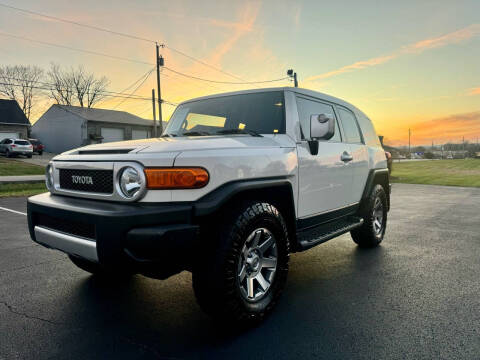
[[136, 316]]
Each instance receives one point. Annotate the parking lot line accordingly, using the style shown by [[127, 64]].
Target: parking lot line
[[13, 211]]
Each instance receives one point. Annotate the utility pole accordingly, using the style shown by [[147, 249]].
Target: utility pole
[[409, 134], [159, 62], [293, 75], [154, 115]]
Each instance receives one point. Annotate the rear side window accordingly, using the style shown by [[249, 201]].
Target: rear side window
[[8, 141], [307, 108], [350, 126], [22, 142]]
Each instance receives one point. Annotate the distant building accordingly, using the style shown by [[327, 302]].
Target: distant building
[[13, 122], [64, 127]]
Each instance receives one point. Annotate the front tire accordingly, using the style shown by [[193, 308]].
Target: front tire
[[374, 214], [243, 268]]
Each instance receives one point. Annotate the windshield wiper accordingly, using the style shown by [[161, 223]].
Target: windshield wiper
[[196, 133], [238, 131]]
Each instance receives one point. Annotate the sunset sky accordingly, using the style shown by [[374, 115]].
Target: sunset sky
[[404, 63]]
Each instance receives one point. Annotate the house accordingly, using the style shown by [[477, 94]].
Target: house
[[64, 127], [13, 122]]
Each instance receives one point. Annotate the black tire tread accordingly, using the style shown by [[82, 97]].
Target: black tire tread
[[224, 254], [364, 236]]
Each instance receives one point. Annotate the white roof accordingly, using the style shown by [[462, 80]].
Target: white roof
[[113, 116], [287, 88]]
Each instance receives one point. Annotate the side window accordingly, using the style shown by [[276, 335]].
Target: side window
[[350, 126], [306, 108], [8, 141]]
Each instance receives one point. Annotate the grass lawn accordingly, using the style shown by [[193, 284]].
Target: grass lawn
[[11, 167], [438, 172], [21, 189]]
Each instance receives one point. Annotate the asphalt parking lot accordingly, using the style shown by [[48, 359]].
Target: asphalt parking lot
[[417, 296]]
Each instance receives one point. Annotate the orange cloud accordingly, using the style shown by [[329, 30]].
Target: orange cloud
[[418, 47], [450, 38], [474, 91], [449, 128], [355, 66], [247, 19]]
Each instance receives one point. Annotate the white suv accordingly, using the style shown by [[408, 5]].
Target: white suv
[[236, 183], [12, 147]]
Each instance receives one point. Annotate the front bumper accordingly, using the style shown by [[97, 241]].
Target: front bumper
[[155, 239]]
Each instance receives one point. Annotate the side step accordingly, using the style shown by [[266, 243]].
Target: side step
[[319, 234]]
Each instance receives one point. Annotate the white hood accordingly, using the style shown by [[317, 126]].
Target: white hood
[[176, 144]]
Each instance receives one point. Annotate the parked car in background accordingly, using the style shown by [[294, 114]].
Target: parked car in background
[[37, 146], [13, 147]]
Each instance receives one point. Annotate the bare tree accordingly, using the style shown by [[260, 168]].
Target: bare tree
[[21, 83], [76, 86]]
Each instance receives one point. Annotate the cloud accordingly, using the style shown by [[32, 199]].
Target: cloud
[[447, 39], [448, 128], [418, 47], [355, 66], [474, 91], [247, 18]]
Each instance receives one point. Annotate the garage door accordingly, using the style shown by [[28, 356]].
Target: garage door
[[140, 134], [112, 134], [11, 135]]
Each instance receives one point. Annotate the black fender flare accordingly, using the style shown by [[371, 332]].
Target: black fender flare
[[213, 201], [377, 176]]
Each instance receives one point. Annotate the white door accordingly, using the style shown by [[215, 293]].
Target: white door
[[325, 180], [10, 135], [140, 134], [358, 151], [112, 134]]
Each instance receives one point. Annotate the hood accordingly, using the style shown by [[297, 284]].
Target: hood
[[173, 144]]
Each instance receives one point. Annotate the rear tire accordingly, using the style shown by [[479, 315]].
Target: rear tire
[[29, 156], [374, 214], [243, 266], [7, 154], [40, 153]]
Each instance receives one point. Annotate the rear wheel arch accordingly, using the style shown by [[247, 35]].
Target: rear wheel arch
[[377, 177]]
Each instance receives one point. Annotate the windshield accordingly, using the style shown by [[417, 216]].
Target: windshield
[[255, 113]]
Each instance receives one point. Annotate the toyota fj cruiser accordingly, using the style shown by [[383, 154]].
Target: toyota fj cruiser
[[236, 183]]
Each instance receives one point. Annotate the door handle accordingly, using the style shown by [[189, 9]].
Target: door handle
[[346, 157]]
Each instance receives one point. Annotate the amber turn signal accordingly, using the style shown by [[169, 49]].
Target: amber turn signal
[[176, 178]]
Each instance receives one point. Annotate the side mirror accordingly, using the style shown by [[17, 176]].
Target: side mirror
[[322, 126]]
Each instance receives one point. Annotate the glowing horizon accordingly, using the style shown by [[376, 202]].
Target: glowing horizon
[[406, 65]]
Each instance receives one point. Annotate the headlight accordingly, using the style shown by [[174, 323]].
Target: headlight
[[49, 177], [131, 182]]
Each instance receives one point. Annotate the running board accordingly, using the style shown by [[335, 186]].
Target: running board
[[319, 234]]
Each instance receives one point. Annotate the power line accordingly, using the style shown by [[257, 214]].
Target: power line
[[51, 86], [224, 82], [139, 79], [137, 61], [133, 92], [135, 37], [77, 23], [75, 49]]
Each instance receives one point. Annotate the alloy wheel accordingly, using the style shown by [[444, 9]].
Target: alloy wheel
[[257, 264], [378, 216]]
